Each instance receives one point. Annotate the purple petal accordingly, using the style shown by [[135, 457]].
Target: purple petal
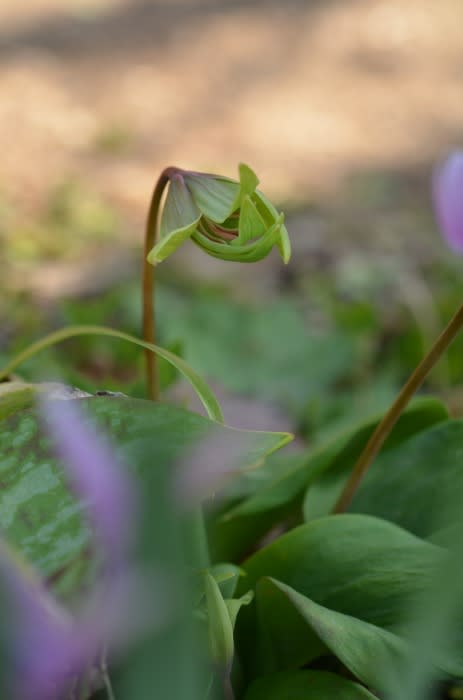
[[96, 474], [448, 200], [50, 650], [43, 643]]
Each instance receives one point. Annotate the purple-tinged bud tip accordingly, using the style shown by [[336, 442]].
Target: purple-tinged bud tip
[[448, 200]]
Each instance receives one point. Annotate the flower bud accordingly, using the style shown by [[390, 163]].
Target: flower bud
[[448, 200], [221, 643], [228, 219]]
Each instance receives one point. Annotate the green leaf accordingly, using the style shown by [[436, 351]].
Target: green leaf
[[40, 516], [306, 685], [300, 631], [355, 564], [180, 216], [251, 352], [201, 387], [262, 498], [324, 491], [437, 615], [410, 485]]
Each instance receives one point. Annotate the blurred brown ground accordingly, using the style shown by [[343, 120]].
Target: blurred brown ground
[[307, 92]]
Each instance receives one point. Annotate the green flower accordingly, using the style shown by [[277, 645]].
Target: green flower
[[228, 219]]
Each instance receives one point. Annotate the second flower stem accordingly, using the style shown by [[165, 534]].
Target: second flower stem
[[385, 426]]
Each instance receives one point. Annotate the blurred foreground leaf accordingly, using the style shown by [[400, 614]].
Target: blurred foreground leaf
[[40, 516]]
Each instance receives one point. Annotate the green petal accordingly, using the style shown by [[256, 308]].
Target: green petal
[[266, 209], [284, 244], [217, 197], [248, 179], [262, 247], [269, 213], [251, 252], [251, 223], [179, 219]]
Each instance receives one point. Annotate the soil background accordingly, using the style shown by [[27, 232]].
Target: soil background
[[341, 106]]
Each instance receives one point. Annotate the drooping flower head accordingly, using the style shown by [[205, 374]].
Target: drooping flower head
[[229, 219], [448, 200]]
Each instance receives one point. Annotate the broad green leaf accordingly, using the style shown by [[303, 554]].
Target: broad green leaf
[[235, 529], [266, 496], [306, 685], [437, 615], [410, 485], [300, 631], [39, 515], [355, 564], [324, 491]]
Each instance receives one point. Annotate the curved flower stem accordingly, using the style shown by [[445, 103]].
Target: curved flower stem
[[385, 426], [149, 321]]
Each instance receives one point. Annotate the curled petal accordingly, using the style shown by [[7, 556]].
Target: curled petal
[[217, 197], [448, 200], [180, 217], [246, 253]]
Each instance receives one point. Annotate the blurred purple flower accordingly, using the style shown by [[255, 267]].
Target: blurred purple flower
[[448, 200], [53, 650], [96, 474]]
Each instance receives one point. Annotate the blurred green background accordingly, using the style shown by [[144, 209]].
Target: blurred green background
[[342, 107]]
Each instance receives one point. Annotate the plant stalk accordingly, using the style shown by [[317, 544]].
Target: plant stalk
[[385, 426], [148, 285]]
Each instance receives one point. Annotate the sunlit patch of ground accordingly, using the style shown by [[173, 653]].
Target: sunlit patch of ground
[[107, 92]]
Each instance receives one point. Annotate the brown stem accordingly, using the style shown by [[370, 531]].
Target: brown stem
[[385, 426], [149, 321]]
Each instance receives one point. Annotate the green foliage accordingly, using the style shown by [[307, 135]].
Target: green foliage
[[38, 513], [300, 685], [270, 595], [271, 495]]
